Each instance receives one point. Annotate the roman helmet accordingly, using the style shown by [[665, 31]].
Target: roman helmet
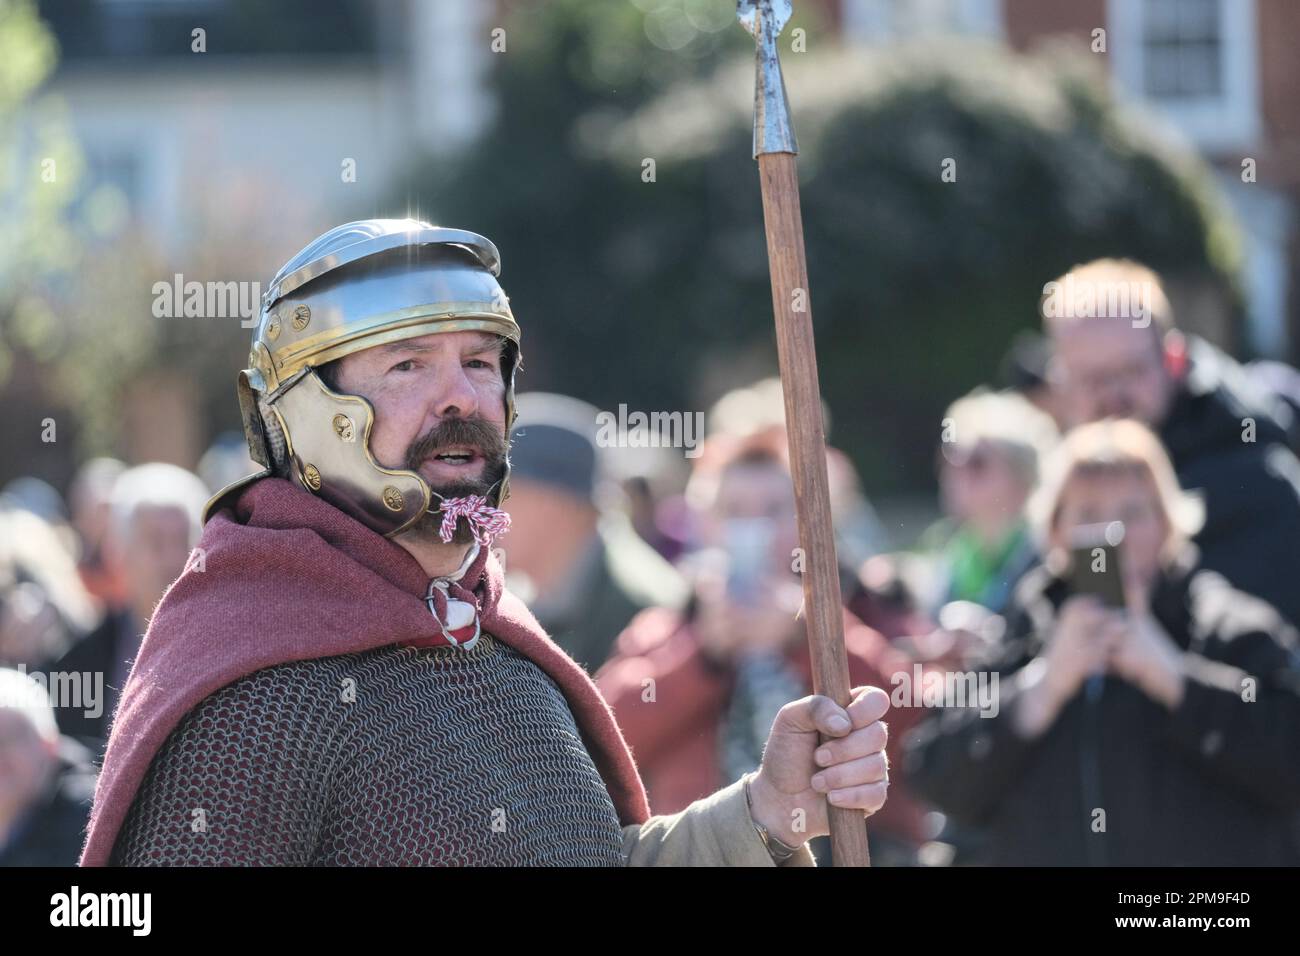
[[359, 285]]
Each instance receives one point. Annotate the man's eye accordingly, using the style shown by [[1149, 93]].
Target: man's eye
[[479, 363], [403, 366]]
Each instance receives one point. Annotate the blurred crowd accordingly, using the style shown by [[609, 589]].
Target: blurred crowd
[[1145, 713]]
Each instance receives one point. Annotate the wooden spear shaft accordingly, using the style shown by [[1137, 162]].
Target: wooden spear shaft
[[803, 415], [775, 149]]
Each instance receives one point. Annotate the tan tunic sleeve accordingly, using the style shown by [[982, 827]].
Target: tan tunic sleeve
[[714, 831]]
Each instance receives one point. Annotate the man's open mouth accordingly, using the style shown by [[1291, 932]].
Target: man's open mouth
[[455, 456]]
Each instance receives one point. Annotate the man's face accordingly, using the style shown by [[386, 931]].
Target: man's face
[[981, 486], [25, 757], [1106, 368], [751, 496], [152, 552], [439, 405], [544, 519]]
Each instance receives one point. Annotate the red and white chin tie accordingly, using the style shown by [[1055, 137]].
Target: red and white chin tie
[[452, 605], [486, 523]]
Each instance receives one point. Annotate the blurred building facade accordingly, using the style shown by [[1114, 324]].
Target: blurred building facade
[[293, 92], [297, 115], [1222, 74], [217, 136], [319, 102]]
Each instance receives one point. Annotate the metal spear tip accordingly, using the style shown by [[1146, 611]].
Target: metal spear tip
[[772, 131], [771, 15]]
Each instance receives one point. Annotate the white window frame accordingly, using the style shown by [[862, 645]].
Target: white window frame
[[1225, 121]]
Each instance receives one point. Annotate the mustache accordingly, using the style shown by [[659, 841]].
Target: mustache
[[469, 432]]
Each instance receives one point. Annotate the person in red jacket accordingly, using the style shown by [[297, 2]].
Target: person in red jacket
[[696, 690]]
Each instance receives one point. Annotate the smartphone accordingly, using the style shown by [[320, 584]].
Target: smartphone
[[748, 545], [1095, 563]]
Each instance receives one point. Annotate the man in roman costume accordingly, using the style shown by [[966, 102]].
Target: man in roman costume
[[339, 676]]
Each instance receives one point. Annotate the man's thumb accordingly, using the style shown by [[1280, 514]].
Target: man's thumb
[[813, 714]]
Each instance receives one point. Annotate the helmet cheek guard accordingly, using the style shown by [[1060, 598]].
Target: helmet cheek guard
[[361, 285], [329, 454]]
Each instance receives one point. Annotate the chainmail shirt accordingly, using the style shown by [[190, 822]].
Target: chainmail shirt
[[395, 756]]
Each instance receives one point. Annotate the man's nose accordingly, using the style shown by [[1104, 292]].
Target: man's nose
[[1106, 394], [454, 395], [1115, 403]]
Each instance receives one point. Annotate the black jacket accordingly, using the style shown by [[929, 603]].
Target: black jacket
[[53, 829], [101, 652], [1251, 488], [1216, 782]]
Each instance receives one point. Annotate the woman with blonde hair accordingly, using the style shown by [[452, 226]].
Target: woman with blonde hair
[[1149, 714], [989, 464]]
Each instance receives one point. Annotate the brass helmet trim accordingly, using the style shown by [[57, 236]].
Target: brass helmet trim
[[401, 324]]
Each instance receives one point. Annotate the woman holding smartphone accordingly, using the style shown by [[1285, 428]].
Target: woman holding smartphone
[[1162, 732]]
